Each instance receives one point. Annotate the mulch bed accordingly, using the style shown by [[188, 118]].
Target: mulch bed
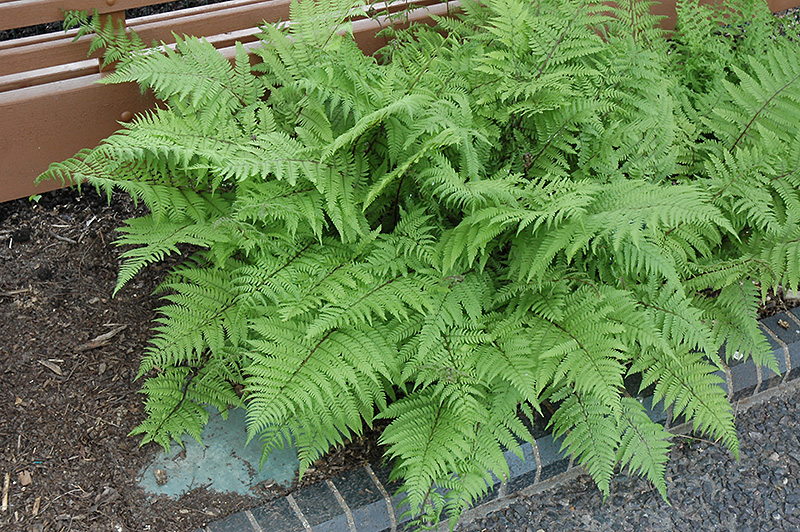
[[68, 356]]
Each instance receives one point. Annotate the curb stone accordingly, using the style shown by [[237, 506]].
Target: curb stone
[[361, 500]]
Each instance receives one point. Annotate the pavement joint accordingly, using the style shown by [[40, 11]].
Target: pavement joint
[[760, 377], [729, 380], [538, 458], [298, 511], [349, 515], [256, 526], [793, 318], [387, 498]]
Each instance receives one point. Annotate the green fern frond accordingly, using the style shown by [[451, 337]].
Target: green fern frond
[[155, 242], [780, 260], [324, 387], [428, 442], [767, 91], [643, 445], [117, 43], [635, 20], [216, 83], [201, 317], [678, 320], [684, 380], [175, 400], [300, 209], [590, 432], [733, 319]]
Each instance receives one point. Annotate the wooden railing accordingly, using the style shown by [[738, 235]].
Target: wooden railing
[[51, 105]]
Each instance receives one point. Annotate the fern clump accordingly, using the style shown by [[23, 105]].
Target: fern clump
[[520, 207]]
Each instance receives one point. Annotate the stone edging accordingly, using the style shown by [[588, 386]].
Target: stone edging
[[361, 501]]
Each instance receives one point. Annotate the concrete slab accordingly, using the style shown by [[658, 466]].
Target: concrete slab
[[222, 463]]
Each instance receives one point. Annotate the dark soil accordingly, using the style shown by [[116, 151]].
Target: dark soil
[[67, 404]]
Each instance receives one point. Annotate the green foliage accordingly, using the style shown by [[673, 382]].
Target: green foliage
[[523, 205], [116, 43]]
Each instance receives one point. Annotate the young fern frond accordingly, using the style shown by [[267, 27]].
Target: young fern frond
[[588, 425], [643, 444]]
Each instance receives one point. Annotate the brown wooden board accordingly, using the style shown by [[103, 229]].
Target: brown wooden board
[[20, 13], [52, 122], [60, 48], [39, 52], [58, 72]]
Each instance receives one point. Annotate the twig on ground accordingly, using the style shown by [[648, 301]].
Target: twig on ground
[[86, 229], [52, 367], [14, 292], [6, 485], [62, 238], [101, 340]]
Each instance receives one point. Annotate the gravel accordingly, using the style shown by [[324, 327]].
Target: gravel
[[708, 489]]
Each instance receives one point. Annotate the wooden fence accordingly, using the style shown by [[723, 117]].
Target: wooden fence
[[51, 105]]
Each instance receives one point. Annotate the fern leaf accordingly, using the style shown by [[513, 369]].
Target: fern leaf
[[589, 427], [321, 388], [644, 445]]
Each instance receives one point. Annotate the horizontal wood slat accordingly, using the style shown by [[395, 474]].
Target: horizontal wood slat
[[50, 74], [216, 19], [52, 122], [21, 13], [209, 20]]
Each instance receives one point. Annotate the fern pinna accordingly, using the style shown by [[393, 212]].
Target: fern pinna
[[519, 207]]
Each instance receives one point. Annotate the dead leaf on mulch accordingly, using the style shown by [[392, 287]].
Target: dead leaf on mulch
[[52, 367], [101, 340]]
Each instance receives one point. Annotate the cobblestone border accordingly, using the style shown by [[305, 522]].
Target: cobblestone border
[[361, 500]]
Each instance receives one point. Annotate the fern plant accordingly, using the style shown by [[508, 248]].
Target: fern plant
[[519, 207]]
